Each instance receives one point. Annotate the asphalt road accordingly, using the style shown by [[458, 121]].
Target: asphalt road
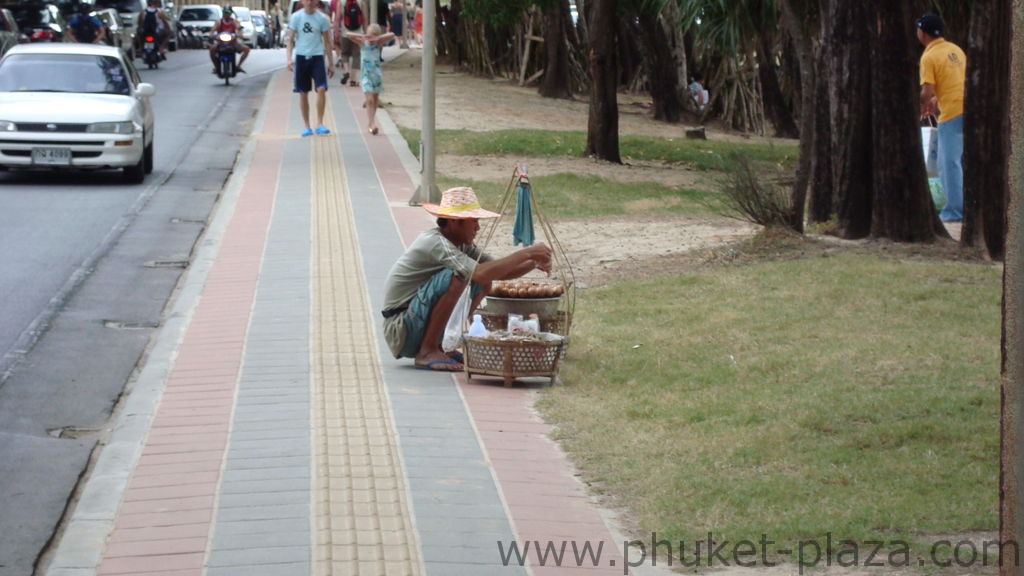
[[89, 267]]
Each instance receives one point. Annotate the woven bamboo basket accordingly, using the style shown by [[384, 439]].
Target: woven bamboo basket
[[511, 359], [557, 323]]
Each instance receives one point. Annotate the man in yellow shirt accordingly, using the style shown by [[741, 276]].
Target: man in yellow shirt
[[943, 69]]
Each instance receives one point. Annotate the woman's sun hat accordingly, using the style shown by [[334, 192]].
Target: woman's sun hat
[[459, 203]]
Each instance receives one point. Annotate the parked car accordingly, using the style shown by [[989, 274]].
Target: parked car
[[128, 13], [247, 32], [264, 33], [117, 35], [39, 22], [200, 19], [89, 111], [10, 32]]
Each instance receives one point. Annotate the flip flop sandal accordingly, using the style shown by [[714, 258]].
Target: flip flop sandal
[[440, 365]]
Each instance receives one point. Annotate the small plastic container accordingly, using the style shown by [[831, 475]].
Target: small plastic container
[[477, 328], [532, 324], [515, 323]]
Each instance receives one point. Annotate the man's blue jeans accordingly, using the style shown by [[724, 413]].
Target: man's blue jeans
[[951, 170]]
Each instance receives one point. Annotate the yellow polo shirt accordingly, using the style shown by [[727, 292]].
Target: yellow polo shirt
[[944, 66]]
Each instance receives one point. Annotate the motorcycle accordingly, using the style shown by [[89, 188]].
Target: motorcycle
[[188, 36], [150, 54], [227, 56]]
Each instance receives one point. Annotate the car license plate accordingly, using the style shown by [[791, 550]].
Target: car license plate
[[52, 156]]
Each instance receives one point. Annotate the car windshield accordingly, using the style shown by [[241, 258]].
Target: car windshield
[[197, 14], [88, 73], [242, 14], [31, 15], [120, 5], [257, 20]]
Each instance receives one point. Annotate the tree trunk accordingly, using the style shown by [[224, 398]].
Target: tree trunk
[[603, 118], [986, 139], [555, 83], [849, 80], [662, 76], [821, 203], [775, 106], [902, 209], [795, 18], [1011, 368]]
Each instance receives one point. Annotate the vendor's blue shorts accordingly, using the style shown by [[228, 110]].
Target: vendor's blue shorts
[[416, 316], [309, 73]]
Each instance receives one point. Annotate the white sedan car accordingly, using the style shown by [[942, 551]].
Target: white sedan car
[[74, 107]]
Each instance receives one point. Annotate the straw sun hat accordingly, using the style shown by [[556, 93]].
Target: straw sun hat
[[459, 203]]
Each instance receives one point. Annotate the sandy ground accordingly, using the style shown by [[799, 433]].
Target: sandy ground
[[598, 250]]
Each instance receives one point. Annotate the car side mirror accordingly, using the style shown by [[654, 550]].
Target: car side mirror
[[145, 89]]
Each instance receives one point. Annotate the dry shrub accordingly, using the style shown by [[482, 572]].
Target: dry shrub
[[760, 198]]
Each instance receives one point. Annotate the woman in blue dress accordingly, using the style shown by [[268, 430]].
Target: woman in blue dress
[[370, 45]]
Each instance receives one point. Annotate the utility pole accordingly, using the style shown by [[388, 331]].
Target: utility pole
[[427, 190]]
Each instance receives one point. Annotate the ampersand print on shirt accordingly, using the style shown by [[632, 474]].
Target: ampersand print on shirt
[[307, 28]]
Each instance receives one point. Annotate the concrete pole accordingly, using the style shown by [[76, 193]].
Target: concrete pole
[[1011, 466], [427, 190]]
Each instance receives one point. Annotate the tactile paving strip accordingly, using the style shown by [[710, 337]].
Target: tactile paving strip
[[360, 507]]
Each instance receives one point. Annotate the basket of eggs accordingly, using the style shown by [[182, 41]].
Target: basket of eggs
[[526, 296]]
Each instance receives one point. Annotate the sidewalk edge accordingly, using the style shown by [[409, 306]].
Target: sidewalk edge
[[84, 539]]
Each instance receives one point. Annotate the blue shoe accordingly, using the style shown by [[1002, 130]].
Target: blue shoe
[[306, 132], [321, 129]]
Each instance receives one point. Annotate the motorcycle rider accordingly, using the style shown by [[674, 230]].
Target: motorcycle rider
[[154, 21], [86, 28], [227, 23]]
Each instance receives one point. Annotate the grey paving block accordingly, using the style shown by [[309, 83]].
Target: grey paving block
[[231, 475], [260, 463], [253, 526], [267, 539], [299, 484], [276, 569], [451, 569], [291, 498], [260, 556]]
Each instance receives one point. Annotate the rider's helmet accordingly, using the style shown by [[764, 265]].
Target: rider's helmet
[[228, 11]]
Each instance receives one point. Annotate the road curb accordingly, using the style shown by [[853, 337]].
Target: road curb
[[84, 537]]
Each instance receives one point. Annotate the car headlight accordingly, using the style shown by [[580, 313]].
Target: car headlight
[[6, 126], [126, 127]]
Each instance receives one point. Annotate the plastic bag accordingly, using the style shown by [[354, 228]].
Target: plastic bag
[[456, 327], [930, 145]]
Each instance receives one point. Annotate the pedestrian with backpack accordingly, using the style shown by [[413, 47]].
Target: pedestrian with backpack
[[86, 28], [349, 20]]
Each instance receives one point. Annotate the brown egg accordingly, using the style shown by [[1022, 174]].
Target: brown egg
[[532, 291]]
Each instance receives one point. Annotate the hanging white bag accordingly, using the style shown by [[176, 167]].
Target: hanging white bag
[[456, 327], [930, 146]]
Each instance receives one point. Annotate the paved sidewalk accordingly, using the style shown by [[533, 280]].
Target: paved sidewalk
[[270, 432]]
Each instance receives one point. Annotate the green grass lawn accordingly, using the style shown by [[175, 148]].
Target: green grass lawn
[[571, 196], [851, 394], [702, 155]]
